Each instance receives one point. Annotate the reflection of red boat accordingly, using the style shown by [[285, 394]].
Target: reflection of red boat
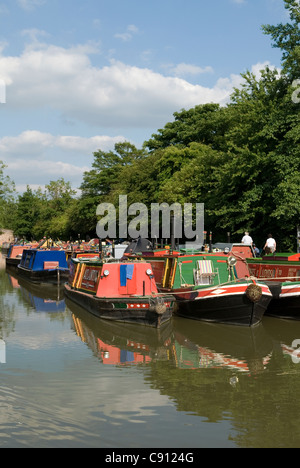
[[111, 354], [120, 344], [124, 292]]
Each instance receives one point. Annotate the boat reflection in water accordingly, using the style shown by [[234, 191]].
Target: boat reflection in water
[[286, 343], [44, 297], [209, 345], [121, 343], [182, 342]]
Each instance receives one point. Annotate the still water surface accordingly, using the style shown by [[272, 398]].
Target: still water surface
[[70, 380]]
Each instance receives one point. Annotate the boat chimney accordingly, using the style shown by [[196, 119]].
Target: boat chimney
[[210, 242]]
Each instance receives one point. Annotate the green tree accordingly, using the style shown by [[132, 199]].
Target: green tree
[[108, 177], [28, 208], [53, 219], [7, 198], [286, 37], [204, 124]]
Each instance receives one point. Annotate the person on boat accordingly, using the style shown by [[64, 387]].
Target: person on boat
[[255, 250], [247, 239], [270, 245]]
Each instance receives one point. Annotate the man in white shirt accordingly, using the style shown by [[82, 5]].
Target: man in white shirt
[[247, 239], [270, 245]]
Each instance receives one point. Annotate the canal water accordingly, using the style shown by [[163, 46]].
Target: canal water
[[68, 379]]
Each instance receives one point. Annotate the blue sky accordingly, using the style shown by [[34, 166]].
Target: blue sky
[[81, 76]]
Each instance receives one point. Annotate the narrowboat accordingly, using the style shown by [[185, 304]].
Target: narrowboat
[[278, 267], [285, 301], [281, 272], [214, 287], [43, 266], [120, 291], [14, 254]]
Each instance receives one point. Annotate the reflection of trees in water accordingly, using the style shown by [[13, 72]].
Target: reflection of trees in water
[[7, 307], [262, 409]]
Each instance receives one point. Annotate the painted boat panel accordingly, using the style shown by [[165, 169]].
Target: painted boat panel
[[43, 265], [211, 286], [124, 292]]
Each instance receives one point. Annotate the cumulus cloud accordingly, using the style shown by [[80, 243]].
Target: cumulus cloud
[[185, 69], [35, 158], [36, 142], [37, 173], [115, 95]]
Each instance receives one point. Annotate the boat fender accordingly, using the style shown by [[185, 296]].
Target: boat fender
[[157, 305], [160, 309], [254, 292]]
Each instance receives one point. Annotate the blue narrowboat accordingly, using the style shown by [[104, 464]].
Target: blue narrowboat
[[44, 265]]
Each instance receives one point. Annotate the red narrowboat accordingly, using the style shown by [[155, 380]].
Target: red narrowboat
[[120, 291]]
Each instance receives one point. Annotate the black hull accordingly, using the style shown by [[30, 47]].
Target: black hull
[[12, 262], [115, 308], [231, 310], [43, 276], [285, 308]]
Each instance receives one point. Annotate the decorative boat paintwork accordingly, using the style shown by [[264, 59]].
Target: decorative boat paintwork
[[14, 254], [214, 287], [43, 265], [281, 272], [124, 292], [278, 267]]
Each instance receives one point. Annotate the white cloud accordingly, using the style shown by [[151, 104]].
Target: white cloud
[[116, 95], [35, 158], [258, 67], [185, 69], [37, 173], [34, 142]]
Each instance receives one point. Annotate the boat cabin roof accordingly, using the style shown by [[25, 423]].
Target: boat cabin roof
[[34, 259]]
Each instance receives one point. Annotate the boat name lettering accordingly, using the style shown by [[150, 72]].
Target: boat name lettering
[[267, 273]]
